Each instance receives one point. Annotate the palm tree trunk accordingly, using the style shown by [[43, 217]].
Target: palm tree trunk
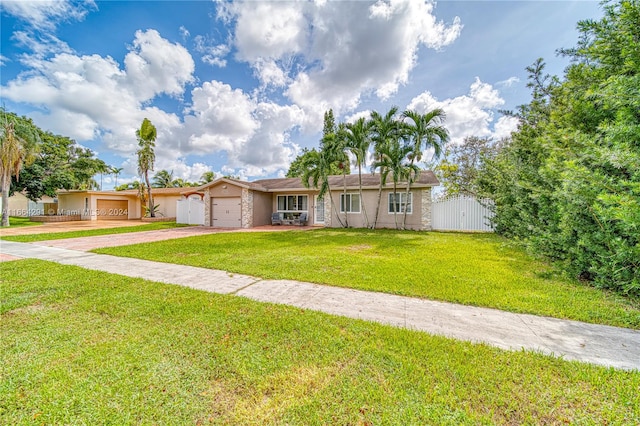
[[152, 212], [344, 182], [364, 209], [395, 203], [406, 199], [5, 201], [375, 220], [335, 210]]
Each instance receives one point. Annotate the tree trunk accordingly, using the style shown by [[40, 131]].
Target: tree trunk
[[364, 209], [5, 201], [404, 216], [375, 220], [335, 210], [344, 183], [395, 203], [152, 212]]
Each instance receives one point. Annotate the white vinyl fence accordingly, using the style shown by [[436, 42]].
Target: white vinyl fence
[[190, 211], [462, 213]]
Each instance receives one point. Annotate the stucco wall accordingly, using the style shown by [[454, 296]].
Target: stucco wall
[[418, 219], [262, 208], [73, 204], [167, 204]]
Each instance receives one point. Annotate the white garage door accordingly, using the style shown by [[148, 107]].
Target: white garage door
[[226, 212]]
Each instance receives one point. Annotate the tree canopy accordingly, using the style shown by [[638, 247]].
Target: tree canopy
[[58, 162], [568, 181]]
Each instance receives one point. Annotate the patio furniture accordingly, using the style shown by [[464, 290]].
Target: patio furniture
[[276, 219], [301, 220]]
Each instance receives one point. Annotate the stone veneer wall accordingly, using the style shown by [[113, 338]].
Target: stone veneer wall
[[207, 207], [327, 211], [246, 208], [425, 222]]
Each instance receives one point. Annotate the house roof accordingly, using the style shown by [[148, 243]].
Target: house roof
[[131, 192], [160, 191], [369, 181]]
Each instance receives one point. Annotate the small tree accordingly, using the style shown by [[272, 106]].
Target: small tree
[[146, 157], [16, 149]]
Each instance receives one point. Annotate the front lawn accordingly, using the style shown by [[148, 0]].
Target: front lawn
[[87, 347], [16, 222], [153, 226], [473, 269]]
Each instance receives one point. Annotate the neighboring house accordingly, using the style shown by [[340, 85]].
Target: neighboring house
[[231, 203], [100, 205], [117, 205], [21, 206]]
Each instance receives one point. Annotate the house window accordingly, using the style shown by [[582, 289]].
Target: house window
[[350, 203], [398, 202], [292, 203]]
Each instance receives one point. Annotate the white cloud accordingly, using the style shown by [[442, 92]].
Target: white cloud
[[154, 65], [469, 115], [212, 54], [508, 82], [332, 53], [45, 15], [254, 135]]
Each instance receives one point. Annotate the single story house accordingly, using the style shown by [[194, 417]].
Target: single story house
[[231, 203], [116, 205]]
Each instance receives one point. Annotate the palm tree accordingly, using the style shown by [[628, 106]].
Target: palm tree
[[336, 148], [116, 172], [358, 141], [392, 161], [207, 177], [15, 151], [316, 169], [384, 130], [423, 131], [146, 156], [163, 179]]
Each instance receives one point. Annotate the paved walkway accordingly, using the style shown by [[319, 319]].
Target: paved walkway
[[572, 340]]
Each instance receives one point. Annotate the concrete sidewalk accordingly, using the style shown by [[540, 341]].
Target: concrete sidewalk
[[572, 340]]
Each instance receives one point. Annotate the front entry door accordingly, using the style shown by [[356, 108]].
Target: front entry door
[[319, 211]]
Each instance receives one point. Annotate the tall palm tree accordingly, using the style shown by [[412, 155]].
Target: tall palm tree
[[147, 135], [16, 150], [384, 130], [116, 172], [358, 141], [423, 132], [392, 161], [316, 169], [336, 148]]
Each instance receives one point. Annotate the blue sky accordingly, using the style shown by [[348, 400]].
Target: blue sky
[[240, 87]]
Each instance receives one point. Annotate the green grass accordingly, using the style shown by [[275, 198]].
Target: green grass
[[86, 347], [473, 269], [154, 226], [15, 222]]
